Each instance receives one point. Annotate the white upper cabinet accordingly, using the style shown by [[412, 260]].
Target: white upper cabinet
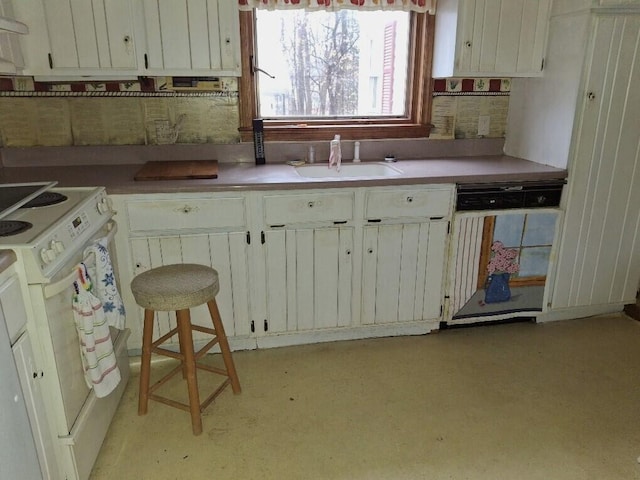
[[490, 38], [192, 37], [78, 37], [126, 38]]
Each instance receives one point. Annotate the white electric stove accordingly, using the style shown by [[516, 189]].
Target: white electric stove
[[49, 229], [48, 225]]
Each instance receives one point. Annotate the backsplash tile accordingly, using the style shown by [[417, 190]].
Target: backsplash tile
[[146, 111], [459, 102]]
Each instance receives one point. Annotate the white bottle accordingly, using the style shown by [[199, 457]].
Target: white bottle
[[356, 152]]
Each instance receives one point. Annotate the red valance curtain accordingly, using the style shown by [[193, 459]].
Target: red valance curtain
[[428, 6]]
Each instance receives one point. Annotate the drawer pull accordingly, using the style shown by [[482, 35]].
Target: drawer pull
[[370, 250], [186, 209], [310, 204], [409, 199]]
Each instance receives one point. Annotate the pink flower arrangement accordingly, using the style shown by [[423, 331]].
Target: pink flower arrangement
[[502, 259]]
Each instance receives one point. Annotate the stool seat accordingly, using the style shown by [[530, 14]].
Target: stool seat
[[178, 288], [175, 287]]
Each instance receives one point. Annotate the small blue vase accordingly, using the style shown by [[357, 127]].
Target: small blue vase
[[497, 288]]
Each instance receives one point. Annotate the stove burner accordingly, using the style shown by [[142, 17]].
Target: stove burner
[[13, 227], [45, 199]]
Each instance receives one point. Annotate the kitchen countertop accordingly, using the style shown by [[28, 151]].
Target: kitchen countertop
[[118, 178]]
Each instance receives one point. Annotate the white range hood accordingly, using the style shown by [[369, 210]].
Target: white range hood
[[11, 61], [12, 26]]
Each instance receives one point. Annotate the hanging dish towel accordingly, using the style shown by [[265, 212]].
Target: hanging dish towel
[[105, 284], [101, 371]]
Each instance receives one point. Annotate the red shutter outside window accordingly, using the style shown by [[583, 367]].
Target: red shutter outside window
[[388, 62]]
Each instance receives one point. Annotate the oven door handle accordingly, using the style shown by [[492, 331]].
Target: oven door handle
[[54, 289]]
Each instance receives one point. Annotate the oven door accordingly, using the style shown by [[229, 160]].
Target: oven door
[[57, 300], [491, 281]]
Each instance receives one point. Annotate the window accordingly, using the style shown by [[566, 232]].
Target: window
[[370, 80]]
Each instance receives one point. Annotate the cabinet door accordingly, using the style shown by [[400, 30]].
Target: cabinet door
[[90, 35], [18, 454], [225, 252], [309, 275], [403, 271], [190, 36], [493, 37], [598, 260], [30, 378]]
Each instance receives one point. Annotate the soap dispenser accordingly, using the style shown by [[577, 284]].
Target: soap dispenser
[[335, 153]]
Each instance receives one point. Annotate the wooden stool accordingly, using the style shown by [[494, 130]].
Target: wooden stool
[[179, 288]]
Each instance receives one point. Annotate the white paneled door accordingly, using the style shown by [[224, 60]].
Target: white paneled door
[[599, 260], [225, 252], [309, 278], [402, 272]]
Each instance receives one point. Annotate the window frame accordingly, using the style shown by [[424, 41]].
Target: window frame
[[419, 93]]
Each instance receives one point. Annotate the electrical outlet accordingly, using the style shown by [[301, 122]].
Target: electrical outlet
[[483, 125]]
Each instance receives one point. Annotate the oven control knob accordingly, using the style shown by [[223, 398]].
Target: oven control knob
[[57, 246], [48, 255], [104, 206]]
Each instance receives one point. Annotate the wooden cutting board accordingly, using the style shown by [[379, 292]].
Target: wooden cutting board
[[178, 170]]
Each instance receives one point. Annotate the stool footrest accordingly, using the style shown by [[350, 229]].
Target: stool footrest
[[184, 406], [212, 397], [164, 338], [167, 353]]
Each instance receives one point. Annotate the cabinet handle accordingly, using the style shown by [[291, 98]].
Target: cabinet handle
[[409, 199], [348, 252], [310, 204], [50, 60], [370, 250], [266, 325], [467, 44], [146, 61], [186, 209], [591, 96], [253, 326]]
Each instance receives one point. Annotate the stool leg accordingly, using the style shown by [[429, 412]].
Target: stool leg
[[180, 342], [224, 345], [189, 365], [145, 365]]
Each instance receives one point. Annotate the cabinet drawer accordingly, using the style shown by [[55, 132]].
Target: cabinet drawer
[[187, 213], [305, 208], [408, 203]]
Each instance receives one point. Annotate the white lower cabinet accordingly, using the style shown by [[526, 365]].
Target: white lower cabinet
[[163, 229], [402, 269], [309, 278], [226, 252], [297, 266]]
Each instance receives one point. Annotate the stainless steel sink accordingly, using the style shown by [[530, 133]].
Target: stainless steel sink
[[349, 170]]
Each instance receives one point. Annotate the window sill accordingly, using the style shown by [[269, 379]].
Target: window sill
[[305, 132]]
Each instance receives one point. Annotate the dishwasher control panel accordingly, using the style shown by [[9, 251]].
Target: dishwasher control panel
[[504, 196]]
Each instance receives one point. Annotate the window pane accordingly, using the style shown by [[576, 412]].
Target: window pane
[[332, 64]]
